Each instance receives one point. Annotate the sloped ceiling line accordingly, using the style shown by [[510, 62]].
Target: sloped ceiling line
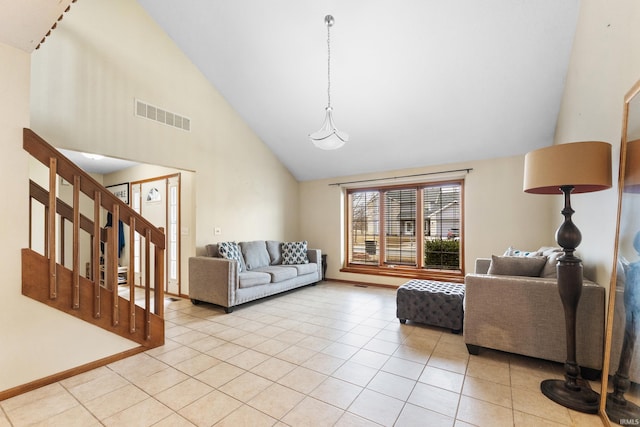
[[55, 24]]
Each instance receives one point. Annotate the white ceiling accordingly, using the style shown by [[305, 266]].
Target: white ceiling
[[103, 165], [413, 82]]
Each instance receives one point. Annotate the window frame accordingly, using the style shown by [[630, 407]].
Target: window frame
[[419, 271]]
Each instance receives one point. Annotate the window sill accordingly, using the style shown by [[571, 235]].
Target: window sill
[[408, 272]]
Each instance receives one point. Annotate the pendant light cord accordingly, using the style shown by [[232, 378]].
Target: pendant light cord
[[328, 137], [329, 64]]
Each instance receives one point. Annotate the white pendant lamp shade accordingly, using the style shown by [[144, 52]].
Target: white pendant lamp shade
[[328, 137]]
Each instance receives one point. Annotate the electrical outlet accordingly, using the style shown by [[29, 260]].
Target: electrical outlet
[[217, 231]]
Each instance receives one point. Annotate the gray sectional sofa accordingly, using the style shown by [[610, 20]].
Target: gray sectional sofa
[[523, 314], [262, 268]]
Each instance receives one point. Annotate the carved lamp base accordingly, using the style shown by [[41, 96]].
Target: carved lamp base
[[623, 413], [581, 399]]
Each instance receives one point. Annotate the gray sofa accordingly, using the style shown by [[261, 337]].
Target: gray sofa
[[260, 271], [524, 315]]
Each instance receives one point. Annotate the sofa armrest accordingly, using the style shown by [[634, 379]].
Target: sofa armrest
[[315, 255], [482, 265], [213, 280], [524, 315]]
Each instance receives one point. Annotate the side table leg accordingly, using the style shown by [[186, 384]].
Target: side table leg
[[324, 266]]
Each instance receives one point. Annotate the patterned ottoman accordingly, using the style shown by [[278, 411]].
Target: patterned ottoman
[[431, 302]]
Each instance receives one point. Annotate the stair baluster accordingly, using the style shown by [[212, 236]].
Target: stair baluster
[[46, 278], [51, 228], [76, 241]]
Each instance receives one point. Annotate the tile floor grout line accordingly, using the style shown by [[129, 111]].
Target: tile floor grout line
[[334, 339], [80, 403]]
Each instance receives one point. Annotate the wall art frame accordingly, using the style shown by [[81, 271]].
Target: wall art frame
[[121, 191]]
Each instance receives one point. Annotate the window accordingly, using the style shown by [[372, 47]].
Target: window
[[412, 230]]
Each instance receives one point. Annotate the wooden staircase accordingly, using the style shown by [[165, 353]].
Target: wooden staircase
[[96, 297]]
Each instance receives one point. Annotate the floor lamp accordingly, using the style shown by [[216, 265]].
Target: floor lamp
[[578, 167], [618, 408]]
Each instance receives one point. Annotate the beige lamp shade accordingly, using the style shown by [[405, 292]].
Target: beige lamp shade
[[632, 167], [584, 165]]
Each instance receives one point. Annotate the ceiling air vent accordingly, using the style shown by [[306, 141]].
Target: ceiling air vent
[[156, 114]]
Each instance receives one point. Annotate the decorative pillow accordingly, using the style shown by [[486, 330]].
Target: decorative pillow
[[255, 254], [274, 248], [516, 266], [552, 254], [231, 250], [546, 250], [511, 251], [294, 253]]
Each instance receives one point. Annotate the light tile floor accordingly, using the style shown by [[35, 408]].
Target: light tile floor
[[328, 355]]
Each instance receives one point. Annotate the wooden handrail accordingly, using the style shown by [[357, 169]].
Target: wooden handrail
[[73, 286], [43, 152]]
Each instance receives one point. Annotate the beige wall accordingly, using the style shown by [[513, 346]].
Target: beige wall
[[84, 82], [14, 115], [605, 64], [498, 214], [37, 341]]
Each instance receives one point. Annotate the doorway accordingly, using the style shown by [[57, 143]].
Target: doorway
[[158, 200]]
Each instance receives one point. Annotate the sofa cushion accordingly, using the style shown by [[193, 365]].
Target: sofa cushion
[[294, 253], [255, 254], [275, 251], [231, 250], [279, 273], [249, 279], [212, 250], [311, 267], [516, 266]]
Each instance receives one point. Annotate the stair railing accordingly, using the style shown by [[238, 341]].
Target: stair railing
[[102, 240]]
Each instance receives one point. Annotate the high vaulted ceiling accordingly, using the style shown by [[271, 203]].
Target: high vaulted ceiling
[[413, 82]]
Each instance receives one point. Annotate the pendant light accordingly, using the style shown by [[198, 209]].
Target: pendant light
[[328, 137]]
